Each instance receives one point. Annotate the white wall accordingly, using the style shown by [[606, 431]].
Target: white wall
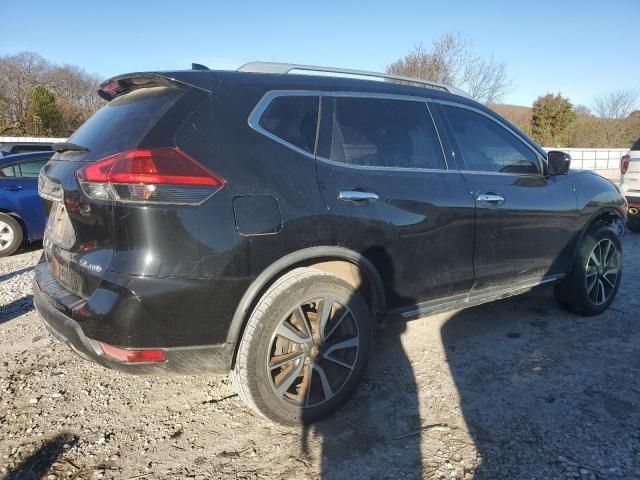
[[594, 158]]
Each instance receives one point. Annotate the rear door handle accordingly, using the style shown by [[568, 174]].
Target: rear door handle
[[13, 188], [490, 198], [357, 196]]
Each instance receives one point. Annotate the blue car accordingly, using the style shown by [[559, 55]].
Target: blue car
[[21, 212]]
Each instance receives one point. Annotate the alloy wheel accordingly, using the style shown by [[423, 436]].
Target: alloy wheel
[[313, 351], [603, 267]]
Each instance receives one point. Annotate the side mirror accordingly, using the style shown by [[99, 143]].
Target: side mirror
[[558, 162]]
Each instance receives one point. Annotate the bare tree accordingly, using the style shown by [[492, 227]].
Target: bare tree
[[20, 74], [616, 104], [450, 60]]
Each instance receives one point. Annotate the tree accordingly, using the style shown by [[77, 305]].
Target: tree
[[450, 61], [20, 74], [582, 111], [551, 117], [616, 104], [44, 115]]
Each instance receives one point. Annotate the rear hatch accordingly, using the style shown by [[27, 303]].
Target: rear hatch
[[135, 129]]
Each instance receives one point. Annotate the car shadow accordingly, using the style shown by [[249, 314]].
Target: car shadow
[[15, 273], [29, 247], [16, 308], [376, 434], [39, 462], [539, 397]]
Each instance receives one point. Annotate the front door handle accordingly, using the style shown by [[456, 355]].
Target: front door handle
[[13, 188], [357, 196], [490, 198]]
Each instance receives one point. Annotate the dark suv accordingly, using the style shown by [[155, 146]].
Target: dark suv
[[262, 222]]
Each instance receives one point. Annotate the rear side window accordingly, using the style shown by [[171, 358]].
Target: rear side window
[[32, 169], [123, 123], [8, 171], [30, 148], [384, 133], [293, 119], [636, 146], [488, 147]]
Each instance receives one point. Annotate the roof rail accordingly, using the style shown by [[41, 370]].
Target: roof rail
[[283, 68]]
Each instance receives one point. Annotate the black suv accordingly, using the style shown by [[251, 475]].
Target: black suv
[[262, 222]]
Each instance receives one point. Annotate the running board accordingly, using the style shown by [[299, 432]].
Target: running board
[[472, 299]]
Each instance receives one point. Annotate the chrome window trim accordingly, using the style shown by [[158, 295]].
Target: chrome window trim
[[507, 128], [267, 98]]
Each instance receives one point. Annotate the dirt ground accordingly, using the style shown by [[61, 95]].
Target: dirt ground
[[518, 389]]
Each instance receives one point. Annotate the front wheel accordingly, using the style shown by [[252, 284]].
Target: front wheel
[[304, 349], [595, 276]]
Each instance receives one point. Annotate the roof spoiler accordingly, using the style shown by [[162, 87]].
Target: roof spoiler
[[113, 87]]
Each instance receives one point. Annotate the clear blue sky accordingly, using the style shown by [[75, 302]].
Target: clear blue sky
[[579, 48]]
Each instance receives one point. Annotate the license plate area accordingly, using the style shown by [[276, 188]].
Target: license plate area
[[59, 230]]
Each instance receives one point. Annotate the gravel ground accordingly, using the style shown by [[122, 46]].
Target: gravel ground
[[515, 389]]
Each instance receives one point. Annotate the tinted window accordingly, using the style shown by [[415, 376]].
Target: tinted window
[[30, 148], [636, 146], [32, 169], [488, 147], [384, 133], [293, 119], [8, 171], [123, 122]]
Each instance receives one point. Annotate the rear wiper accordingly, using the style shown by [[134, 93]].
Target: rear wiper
[[68, 147]]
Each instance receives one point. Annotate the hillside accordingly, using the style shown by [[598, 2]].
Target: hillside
[[516, 114]]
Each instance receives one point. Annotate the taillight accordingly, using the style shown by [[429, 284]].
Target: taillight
[[152, 175], [624, 164]]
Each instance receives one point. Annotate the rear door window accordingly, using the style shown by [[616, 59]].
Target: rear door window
[[8, 171], [293, 119], [388, 133], [489, 147], [32, 169], [123, 122]]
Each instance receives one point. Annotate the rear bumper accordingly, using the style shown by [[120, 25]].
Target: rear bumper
[[180, 360]]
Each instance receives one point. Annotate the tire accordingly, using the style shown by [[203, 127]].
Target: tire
[[309, 359], [11, 235], [634, 223], [595, 275]]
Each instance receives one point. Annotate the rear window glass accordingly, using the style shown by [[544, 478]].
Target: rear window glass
[[636, 146], [293, 119], [384, 133], [30, 148], [8, 171], [32, 169], [123, 123]]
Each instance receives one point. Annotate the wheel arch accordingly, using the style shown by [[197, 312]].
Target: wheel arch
[[347, 264], [603, 216]]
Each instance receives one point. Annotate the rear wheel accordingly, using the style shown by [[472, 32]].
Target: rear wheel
[[305, 348], [596, 273], [634, 223], [10, 235]]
